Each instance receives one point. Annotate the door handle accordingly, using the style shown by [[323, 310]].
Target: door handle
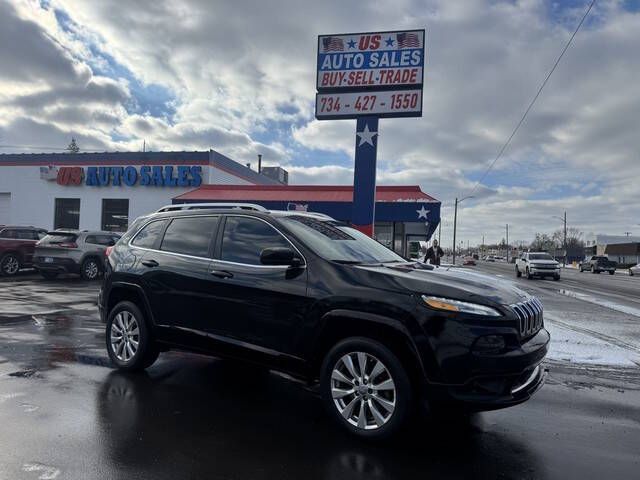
[[221, 273], [150, 263]]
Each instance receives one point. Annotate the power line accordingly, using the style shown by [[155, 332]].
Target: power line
[[534, 98]]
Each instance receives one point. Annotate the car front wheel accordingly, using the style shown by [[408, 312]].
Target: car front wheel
[[611, 272], [129, 342], [365, 388], [9, 265], [518, 273]]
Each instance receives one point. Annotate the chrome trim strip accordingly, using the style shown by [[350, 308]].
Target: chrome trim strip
[[528, 381]]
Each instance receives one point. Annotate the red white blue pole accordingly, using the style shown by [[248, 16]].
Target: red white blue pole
[[364, 177]]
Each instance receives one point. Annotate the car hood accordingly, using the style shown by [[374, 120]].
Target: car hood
[[456, 283]]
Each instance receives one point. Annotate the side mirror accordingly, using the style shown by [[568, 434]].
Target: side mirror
[[279, 256]]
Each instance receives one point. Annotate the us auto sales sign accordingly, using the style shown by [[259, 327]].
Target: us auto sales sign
[[387, 62]]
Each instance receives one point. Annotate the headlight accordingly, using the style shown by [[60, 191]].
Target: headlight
[[451, 305]]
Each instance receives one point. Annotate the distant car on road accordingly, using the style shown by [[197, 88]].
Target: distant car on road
[[635, 270], [537, 264], [597, 264], [73, 251], [489, 258], [468, 261], [16, 247]]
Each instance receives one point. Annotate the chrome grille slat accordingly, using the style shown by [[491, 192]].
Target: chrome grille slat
[[530, 316]]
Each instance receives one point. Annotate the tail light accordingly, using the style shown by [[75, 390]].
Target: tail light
[[68, 245], [108, 251]]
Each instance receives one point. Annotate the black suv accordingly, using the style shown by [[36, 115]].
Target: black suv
[[304, 294]]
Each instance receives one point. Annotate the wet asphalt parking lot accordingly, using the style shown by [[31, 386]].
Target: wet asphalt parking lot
[[65, 414]]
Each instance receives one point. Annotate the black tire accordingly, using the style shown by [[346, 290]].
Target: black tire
[[518, 273], [529, 276], [90, 269], [146, 352], [402, 392], [556, 277], [49, 275], [630, 273], [593, 269], [9, 265], [611, 272]]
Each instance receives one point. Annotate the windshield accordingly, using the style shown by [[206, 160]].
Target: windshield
[[540, 256], [339, 243]]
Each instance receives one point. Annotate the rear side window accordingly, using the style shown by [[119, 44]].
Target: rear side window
[[149, 235], [7, 233], [190, 236], [245, 238], [104, 240], [55, 238]]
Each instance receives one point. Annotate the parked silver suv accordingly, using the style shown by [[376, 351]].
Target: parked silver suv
[[73, 251]]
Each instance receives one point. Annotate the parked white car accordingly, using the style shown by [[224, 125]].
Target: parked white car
[[537, 264], [635, 270]]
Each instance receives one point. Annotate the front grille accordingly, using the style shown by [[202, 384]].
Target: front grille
[[529, 315], [543, 266]]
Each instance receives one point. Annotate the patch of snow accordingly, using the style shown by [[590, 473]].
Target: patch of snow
[[579, 348], [602, 302]]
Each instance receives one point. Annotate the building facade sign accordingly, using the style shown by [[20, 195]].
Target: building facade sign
[[130, 176]]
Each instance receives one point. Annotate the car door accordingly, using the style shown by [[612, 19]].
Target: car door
[[258, 304], [174, 264]]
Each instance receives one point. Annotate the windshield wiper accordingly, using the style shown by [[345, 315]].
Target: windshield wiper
[[348, 262]]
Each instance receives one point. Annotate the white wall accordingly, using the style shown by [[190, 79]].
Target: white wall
[[33, 199]]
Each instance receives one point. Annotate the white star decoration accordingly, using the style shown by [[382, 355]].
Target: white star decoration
[[422, 213], [366, 136]]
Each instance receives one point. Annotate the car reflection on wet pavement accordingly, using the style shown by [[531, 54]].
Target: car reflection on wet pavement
[[66, 414]]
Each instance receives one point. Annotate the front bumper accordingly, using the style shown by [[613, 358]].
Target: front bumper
[[545, 272]]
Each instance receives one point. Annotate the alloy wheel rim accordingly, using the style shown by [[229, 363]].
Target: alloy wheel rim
[[11, 265], [363, 390], [91, 270], [125, 336]]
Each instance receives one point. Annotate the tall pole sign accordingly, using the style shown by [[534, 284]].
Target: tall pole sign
[[368, 76]]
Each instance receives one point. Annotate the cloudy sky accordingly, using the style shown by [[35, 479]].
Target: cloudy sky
[[238, 76]]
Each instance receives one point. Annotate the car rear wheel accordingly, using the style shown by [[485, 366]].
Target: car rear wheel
[[129, 342], [529, 276], [90, 269], [518, 273], [365, 388], [9, 264], [611, 272]]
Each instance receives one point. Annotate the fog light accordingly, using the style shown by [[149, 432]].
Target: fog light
[[489, 344]]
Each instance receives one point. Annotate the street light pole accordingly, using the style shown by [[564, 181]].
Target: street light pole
[[507, 243], [455, 223], [565, 240]]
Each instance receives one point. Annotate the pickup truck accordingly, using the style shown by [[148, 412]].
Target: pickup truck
[[537, 264], [597, 264], [17, 245]]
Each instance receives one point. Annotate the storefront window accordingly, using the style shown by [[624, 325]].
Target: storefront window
[[383, 233], [115, 214], [67, 213]]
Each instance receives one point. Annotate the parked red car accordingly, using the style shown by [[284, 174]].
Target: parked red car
[[17, 245]]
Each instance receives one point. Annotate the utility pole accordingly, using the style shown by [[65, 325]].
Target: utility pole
[[144, 146], [507, 243], [482, 249], [440, 232], [564, 262], [455, 221]]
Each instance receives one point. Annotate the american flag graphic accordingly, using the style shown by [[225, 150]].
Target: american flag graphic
[[408, 40], [332, 44]]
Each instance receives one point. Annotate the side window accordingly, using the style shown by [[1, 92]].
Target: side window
[[9, 233], [149, 235], [40, 234], [91, 239], [245, 238], [24, 234], [190, 235]]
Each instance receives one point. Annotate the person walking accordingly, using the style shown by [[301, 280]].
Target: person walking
[[434, 254]]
